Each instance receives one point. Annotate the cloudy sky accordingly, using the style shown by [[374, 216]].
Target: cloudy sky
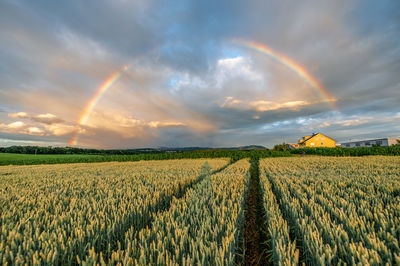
[[197, 73]]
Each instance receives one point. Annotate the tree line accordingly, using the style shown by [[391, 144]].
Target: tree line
[[153, 154], [71, 150]]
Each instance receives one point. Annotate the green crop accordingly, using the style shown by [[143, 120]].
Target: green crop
[[340, 209], [200, 228], [284, 251], [317, 211], [56, 214]]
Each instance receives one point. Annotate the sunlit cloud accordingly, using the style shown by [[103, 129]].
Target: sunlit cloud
[[42, 118], [35, 131], [47, 119], [60, 129], [262, 106], [19, 115], [158, 124], [20, 127], [15, 125]]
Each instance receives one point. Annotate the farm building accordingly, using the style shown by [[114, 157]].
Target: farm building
[[317, 140], [314, 140], [370, 143]]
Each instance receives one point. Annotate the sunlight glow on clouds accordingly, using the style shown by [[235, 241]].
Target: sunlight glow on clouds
[[41, 118], [261, 106], [17, 124]]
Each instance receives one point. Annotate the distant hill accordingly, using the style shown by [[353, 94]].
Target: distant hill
[[252, 147], [176, 149]]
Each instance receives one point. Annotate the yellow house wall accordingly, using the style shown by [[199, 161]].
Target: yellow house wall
[[320, 141]]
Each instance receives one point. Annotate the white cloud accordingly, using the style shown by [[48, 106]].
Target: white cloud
[[261, 105], [18, 115], [46, 118], [35, 131], [354, 122], [236, 67], [18, 127], [47, 115], [17, 124], [158, 124], [39, 125]]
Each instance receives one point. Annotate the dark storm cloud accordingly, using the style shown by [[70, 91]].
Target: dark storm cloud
[[129, 27], [55, 54], [194, 32], [185, 33]]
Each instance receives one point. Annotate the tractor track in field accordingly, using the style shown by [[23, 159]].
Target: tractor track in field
[[255, 231]]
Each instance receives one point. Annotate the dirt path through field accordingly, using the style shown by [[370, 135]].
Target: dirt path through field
[[255, 228]]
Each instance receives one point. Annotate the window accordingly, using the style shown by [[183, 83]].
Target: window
[[348, 145], [322, 144], [358, 144], [312, 143], [367, 143]]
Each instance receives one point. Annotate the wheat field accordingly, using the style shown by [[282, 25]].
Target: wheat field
[[316, 210]]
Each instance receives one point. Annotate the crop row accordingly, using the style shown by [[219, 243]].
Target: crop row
[[337, 209], [283, 248], [59, 213], [200, 228]]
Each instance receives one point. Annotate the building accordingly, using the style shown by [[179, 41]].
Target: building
[[370, 143], [317, 140]]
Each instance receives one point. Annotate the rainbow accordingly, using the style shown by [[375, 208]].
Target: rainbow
[[108, 83], [294, 66]]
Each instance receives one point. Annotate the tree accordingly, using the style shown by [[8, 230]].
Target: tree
[[280, 147]]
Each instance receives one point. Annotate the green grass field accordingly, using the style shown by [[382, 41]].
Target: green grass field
[[27, 159]]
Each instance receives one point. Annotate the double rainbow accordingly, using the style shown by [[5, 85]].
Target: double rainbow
[[294, 66], [93, 101]]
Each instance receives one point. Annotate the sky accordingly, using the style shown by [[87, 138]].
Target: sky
[[134, 74]]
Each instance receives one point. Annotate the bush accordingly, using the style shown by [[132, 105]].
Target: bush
[[360, 151]]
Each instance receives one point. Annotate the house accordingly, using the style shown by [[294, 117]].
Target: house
[[317, 140], [370, 143]]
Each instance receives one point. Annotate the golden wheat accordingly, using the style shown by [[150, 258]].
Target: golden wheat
[[58, 213], [343, 209]]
